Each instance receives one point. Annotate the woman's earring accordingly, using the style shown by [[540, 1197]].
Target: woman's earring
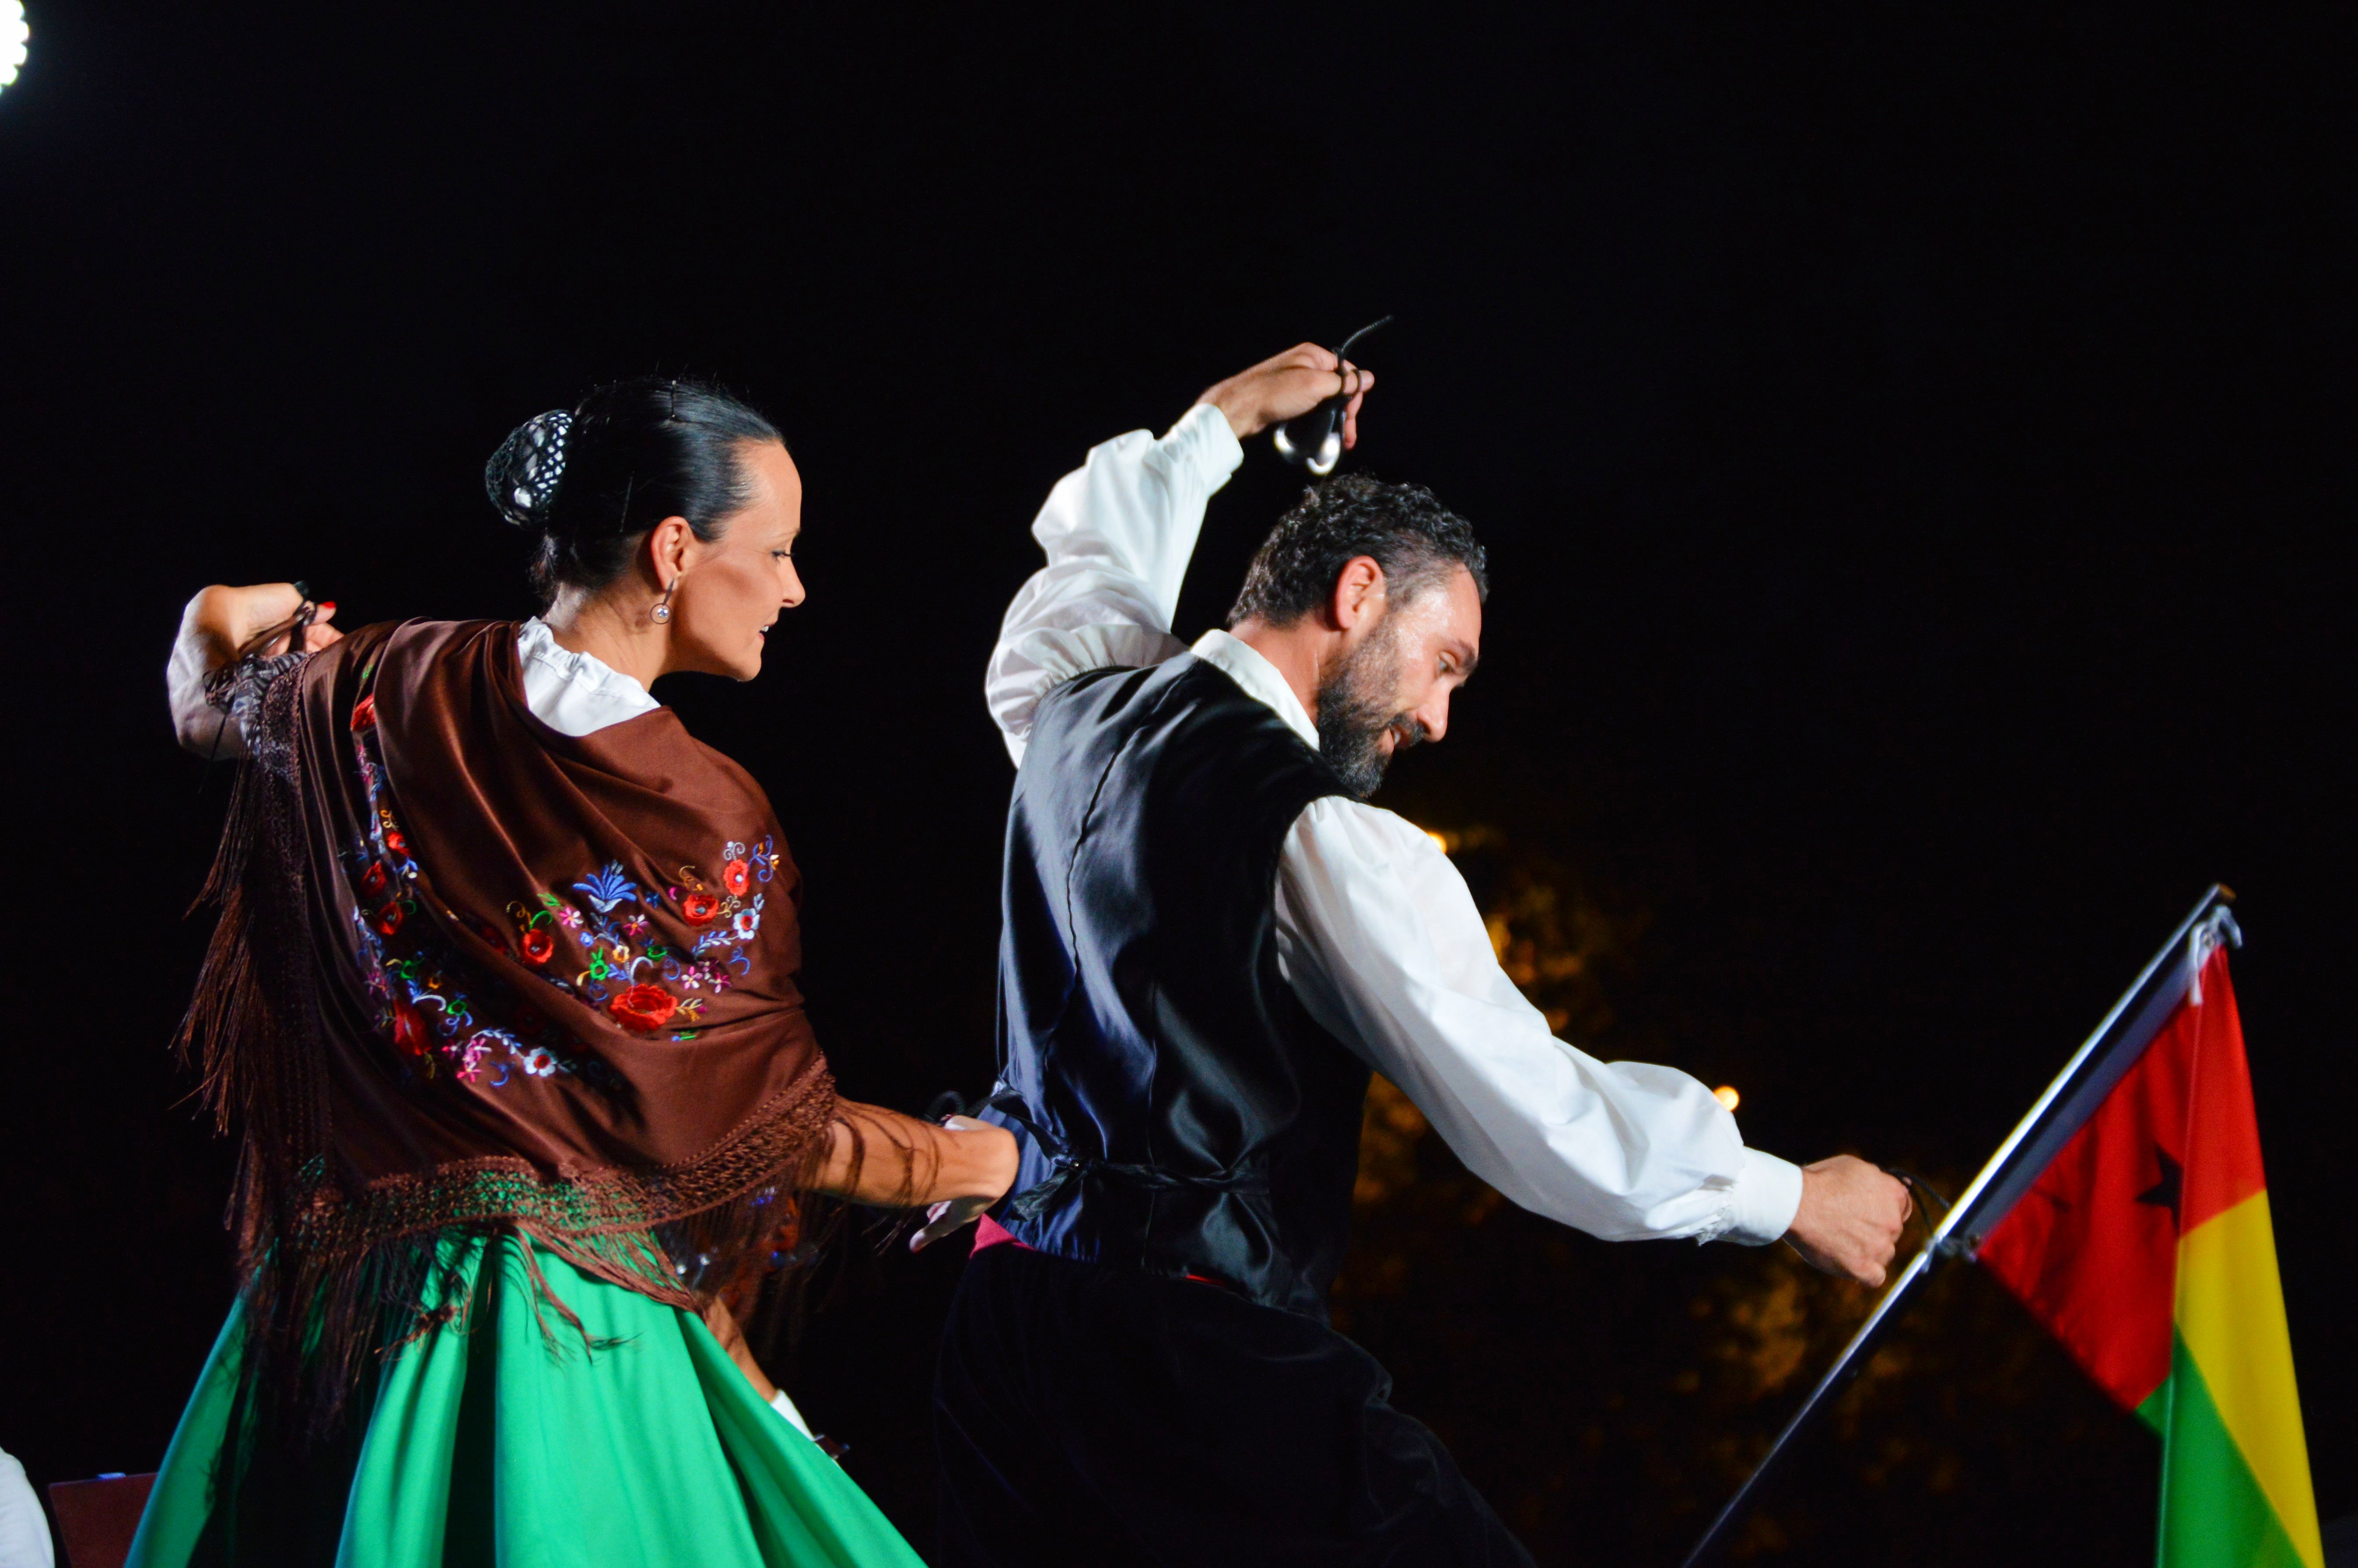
[[663, 611]]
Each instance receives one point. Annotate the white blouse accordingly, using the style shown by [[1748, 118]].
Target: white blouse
[[575, 694]]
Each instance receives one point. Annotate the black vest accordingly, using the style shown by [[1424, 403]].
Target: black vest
[[1180, 1112]]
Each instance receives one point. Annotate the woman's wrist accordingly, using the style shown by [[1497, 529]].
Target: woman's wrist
[[881, 1156], [982, 1162]]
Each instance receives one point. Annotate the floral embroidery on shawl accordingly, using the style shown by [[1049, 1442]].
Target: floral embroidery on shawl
[[624, 969], [435, 1024], [435, 1021]]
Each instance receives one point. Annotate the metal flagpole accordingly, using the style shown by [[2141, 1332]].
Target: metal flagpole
[[2100, 1064], [1845, 1366]]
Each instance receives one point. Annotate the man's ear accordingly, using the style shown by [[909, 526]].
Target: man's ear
[[1358, 594]]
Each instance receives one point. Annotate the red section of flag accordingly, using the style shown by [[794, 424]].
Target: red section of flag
[[2092, 1247], [2222, 1160]]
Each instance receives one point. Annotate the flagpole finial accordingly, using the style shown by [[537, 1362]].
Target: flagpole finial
[[2213, 931]]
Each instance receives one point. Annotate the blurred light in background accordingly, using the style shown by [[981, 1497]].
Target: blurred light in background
[[1726, 1096], [13, 34]]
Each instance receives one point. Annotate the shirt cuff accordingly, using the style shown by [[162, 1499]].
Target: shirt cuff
[[1767, 1195], [1202, 439]]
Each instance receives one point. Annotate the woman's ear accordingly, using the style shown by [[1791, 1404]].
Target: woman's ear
[[671, 545]]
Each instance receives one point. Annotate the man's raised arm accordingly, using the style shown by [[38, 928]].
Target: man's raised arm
[[1120, 530]]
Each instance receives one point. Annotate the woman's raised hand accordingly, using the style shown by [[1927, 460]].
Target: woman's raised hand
[[222, 621], [217, 627]]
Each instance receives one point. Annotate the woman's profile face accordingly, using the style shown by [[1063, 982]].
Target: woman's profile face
[[730, 590]]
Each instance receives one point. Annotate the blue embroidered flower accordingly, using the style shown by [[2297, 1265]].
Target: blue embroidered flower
[[608, 888]]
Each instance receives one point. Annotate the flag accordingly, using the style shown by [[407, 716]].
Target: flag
[[2145, 1247]]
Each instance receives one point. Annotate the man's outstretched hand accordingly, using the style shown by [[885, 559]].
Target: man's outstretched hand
[[1850, 1217], [1296, 382]]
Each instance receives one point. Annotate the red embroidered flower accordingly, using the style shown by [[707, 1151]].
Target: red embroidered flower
[[736, 877], [364, 713], [643, 1007], [395, 843], [538, 946], [373, 879], [526, 1022], [408, 1030], [699, 907], [388, 919]]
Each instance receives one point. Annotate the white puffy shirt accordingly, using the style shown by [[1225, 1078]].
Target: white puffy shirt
[[574, 694], [1376, 930]]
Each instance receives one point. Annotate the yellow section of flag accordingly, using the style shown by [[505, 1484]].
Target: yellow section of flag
[[2230, 1315]]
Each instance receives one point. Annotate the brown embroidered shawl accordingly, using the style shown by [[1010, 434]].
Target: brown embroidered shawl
[[472, 972]]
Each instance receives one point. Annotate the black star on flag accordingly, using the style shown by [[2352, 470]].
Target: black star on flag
[[2166, 1193]]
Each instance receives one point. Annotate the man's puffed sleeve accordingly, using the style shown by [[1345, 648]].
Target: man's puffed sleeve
[[1119, 532], [1382, 940]]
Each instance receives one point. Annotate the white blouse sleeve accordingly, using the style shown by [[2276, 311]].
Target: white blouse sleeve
[[1119, 532], [1382, 940]]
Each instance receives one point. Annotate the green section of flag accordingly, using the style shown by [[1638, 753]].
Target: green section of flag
[[2213, 1514]]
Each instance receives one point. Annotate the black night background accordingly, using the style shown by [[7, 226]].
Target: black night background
[[1914, 445]]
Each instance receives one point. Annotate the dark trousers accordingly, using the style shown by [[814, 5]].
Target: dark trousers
[[1089, 1414]]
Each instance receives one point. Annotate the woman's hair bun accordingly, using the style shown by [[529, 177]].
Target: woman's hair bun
[[521, 477]]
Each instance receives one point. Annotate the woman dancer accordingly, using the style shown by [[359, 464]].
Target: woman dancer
[[502, 1006]]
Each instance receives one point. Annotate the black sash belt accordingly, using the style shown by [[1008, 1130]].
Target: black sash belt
[[1064, 1168]]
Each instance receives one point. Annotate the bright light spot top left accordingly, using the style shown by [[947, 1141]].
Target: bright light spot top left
[[13, 35]]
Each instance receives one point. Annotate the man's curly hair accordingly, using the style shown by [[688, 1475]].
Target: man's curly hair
[[1412, 536]]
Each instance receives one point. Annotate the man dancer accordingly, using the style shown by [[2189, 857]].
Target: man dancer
[[1209, 943]]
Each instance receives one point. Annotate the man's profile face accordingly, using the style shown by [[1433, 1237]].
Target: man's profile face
[[1393, 690]]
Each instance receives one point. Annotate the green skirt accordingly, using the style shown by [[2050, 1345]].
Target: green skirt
[[509, 1442]]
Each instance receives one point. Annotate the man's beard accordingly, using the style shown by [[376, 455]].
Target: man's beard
[[1355, 706]]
